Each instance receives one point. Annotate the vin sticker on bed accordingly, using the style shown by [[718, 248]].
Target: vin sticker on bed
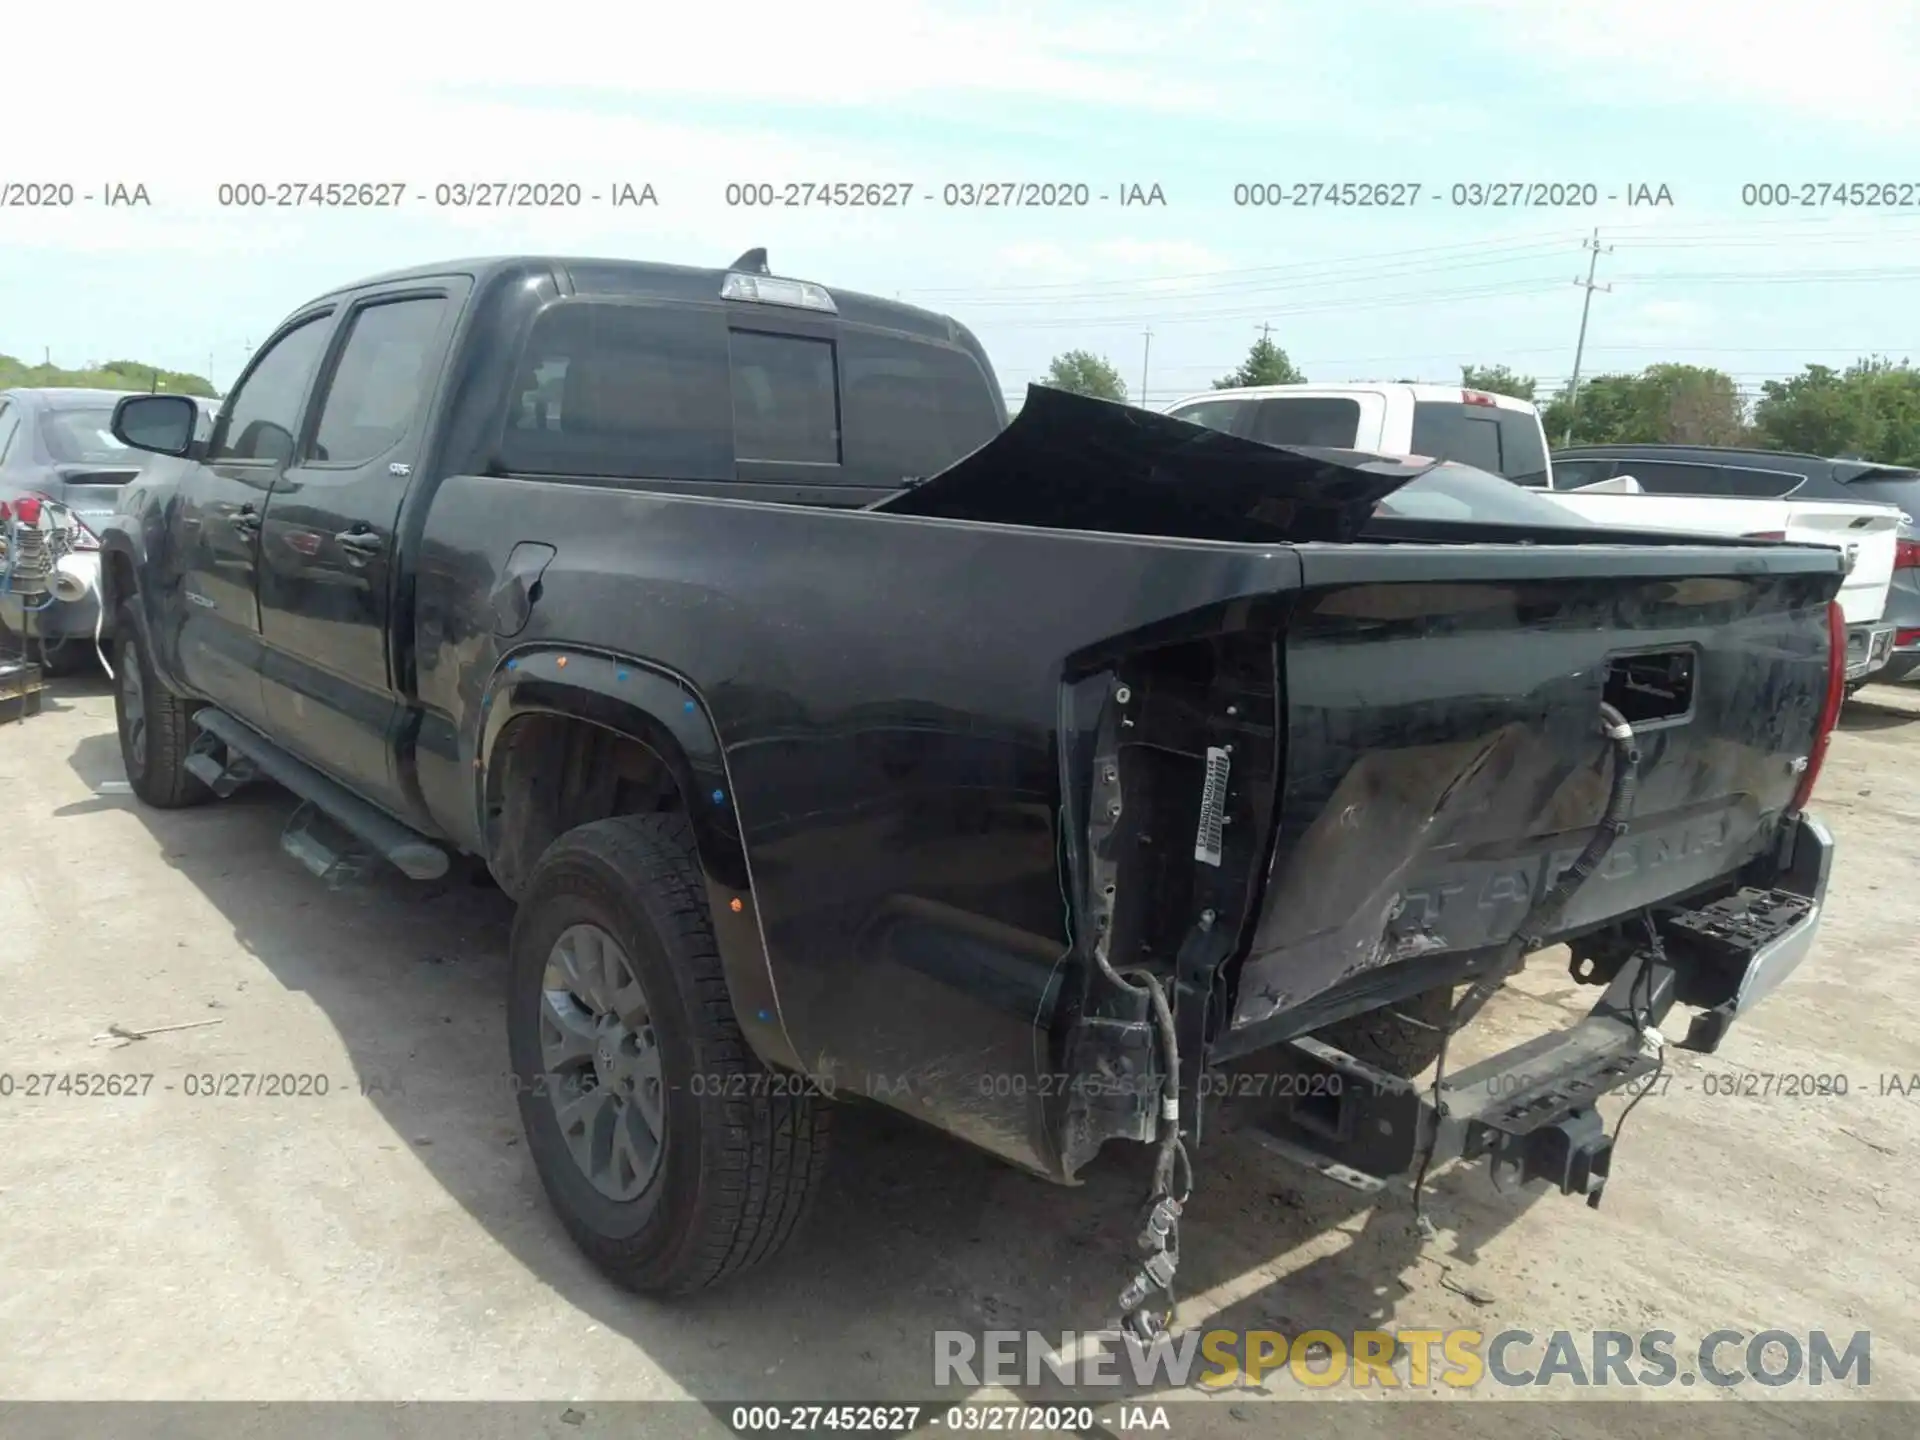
[[1213, 807]]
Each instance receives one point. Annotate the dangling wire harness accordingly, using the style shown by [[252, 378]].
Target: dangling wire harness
[[1159, 1238]]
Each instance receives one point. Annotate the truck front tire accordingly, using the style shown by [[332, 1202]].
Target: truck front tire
[[155, 726], [674, 1158]]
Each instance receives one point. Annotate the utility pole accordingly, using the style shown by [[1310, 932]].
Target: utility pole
[[1580, 345], [1146, 353]]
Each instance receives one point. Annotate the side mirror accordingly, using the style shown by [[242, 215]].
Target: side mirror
[[163, 424]]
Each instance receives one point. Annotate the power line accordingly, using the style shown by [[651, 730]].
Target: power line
[[1517, 286], [1775, 277], [1191, 316], [1550, 240], [1462, 254], [1476, 357], [1306, 276]]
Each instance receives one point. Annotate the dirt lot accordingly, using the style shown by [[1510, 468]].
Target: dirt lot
[[395, 1245]]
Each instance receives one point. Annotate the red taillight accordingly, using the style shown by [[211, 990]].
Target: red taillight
[[1765, 535], [1906, 555], [1474, 397], [1903, 638], [1830, 708]]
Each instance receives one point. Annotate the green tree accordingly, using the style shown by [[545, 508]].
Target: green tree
[[1266, 364], [1084, 373], [1870, 409], [1697, 405], [114, 375], [1603, 414], [1672, 404], [1497, 380]]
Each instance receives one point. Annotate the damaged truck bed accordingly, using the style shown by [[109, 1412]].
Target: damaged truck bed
[[1020, 798], [1353, 777]]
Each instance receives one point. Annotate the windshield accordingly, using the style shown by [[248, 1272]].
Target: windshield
[[83, 437], [1460, 492]]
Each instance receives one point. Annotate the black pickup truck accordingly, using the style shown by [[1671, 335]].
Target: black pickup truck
[[839, 739]]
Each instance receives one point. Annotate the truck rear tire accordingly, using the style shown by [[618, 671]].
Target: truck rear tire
[[1402, 1038], [155, 726], [674, 1158]]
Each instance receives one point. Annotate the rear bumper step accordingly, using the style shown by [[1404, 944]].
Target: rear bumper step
[[1529, 1112], [1869, 647]]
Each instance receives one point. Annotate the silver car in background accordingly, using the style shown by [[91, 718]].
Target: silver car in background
[[56, 446]]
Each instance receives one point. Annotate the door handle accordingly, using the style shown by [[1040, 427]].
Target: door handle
[[246, 520], [362, 544]]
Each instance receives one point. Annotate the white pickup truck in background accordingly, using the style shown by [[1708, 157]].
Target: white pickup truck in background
[[1503, 435]]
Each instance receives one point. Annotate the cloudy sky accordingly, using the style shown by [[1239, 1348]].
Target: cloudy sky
[[1702, 97]]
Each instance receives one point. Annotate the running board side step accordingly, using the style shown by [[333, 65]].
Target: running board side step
[[407, 850]]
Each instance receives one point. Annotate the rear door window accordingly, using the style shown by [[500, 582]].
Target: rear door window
[[1322, 420], [9, 423], [379, 379], [1487, 437], [620, 389]]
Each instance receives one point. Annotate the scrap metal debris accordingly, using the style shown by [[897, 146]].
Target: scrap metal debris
[[1870, 1144], [117, 1036], [1447, 1282]]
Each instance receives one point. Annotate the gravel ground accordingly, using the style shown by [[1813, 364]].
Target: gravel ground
[[388, 1240]]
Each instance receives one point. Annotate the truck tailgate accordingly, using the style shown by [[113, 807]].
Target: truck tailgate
[[1443, 760]]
